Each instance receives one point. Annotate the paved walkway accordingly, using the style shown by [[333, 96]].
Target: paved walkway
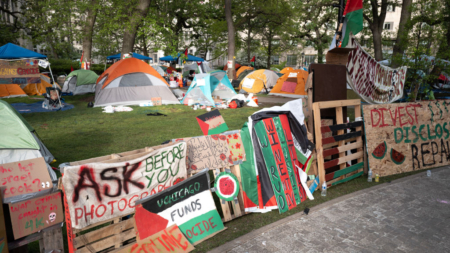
[[411, 214]]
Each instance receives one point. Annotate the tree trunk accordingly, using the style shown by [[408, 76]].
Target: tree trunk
[[231, 42], [377, 45], [135, 18], [401, 42], [443, 52], [249, 40], [269, 49], [144, 45], [87, 31], [320, 53]]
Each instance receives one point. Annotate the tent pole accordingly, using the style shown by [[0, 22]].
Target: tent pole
[[54, 84]]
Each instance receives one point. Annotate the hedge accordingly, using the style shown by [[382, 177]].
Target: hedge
[[61, 67]]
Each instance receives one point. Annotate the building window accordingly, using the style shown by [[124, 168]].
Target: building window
[[275, 60], [388, 26], [291, 60], [309, 59], [391, 8]]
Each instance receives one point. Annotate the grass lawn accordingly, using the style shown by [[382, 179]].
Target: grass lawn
[[83, 133]]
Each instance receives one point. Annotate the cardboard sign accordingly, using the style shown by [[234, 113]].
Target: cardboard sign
[[43, 63], [407, 136], [188, 204], [157, 101], [207, 152], [100, 191], [212, 123], [33, 215], [24, 177], [373, 81], [3, 239], [292, 74], [230, 64], [236, 146], [168, 240]]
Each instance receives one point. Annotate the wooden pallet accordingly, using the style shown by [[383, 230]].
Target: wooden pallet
[[236, 206], [339, 143]]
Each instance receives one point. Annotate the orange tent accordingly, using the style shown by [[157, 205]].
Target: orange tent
[[128, 66], [242, 69], [291, 84], [286, 70], [11, 90], [39, 88]]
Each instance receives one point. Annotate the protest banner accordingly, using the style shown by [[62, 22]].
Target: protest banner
[[167, 240], [188, 204], [100, 191], [405, 137], [212, 123], [373, 81], [33, 215], [236, 146], [19, 72], [24, 177]]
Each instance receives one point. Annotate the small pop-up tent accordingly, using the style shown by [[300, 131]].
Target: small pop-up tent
[[291, 84], [242, 69], [80, 82], [38, 89], [256, 80], [159, 70], [204, 86], [134, 55], [131, 82]]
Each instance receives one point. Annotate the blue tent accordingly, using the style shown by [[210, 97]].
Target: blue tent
[[135, 55], [204, 86], [189, 58], [12, 51]]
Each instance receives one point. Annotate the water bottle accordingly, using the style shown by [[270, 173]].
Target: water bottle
[[324, 189], [369, 178], [428, 173]]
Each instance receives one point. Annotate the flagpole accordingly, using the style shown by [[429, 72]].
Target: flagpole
[[341, 18]]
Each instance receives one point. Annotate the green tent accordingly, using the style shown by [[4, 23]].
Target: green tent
[[80, 82], [14, 133]]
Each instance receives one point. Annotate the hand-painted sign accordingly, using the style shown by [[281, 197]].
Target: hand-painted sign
[[210, 151], [25, 70], [212, 123], [3, 239], [188, 204], [407, 136], [227, 186], [167, 240], [33, 215], [24, 177], [371, 80], [236, 146], [101, 191]]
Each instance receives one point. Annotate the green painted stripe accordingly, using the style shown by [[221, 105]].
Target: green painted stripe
[[248, 172], [287, 159], [352, 168], [301, 158], [271, 166], [218, 130], [309, 165], [349, 178], [202, 226]]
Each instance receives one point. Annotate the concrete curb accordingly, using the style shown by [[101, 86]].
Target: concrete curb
[[245, 238]]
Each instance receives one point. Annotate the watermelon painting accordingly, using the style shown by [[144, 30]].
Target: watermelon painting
[[380, 151], [397, 157], [227, 186]]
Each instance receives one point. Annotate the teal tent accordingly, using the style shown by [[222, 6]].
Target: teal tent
[[204, 86]]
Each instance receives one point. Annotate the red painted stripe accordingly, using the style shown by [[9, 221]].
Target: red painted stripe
[[331, 163], [325, 129], [331, 151], [328, 140], [329, 176]]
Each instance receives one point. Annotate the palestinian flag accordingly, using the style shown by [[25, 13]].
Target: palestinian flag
[[252, 61], [353, 21], [188, 204]]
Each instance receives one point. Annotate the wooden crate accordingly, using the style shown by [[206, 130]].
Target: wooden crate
[[338, 144]]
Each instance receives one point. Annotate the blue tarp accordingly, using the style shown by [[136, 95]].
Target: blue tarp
[[12, 51], [36, 107], [135, 55], [189, 58]]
